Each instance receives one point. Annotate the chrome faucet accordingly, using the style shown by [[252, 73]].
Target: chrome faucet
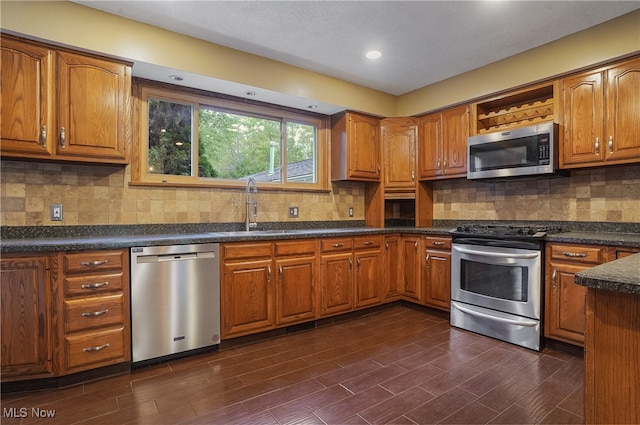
[[247, 223]]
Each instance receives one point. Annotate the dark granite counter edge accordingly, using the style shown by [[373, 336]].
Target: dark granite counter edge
[[72, 238], [114, 242], [621, 275]]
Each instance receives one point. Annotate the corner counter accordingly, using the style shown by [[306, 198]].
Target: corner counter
[[612, 341]]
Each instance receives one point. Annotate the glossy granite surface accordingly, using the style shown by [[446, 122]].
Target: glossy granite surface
[[71, 238], [621, 275]]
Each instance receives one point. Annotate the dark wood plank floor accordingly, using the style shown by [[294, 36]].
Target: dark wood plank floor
[[400, 365]]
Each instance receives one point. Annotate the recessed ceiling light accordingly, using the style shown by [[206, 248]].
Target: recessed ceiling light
[[312, 106], [250, 93], [373, 54], [175, 77]]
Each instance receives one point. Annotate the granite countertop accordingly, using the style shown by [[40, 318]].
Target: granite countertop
[[80, 242], [621, 275], [76, 238], [596, 238]]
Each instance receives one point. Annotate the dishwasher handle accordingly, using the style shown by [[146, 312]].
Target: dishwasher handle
[[175, 257]]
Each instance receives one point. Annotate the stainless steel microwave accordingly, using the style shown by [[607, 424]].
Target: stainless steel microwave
[[523, 151]]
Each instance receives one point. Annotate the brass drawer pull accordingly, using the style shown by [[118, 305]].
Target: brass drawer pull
[[93, 263], [367, 243], [94, 285], [98, 348], [95, 313], [574, 254], [437, 243], [338, 245]]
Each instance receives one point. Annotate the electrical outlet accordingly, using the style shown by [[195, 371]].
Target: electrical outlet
[[350, 211], [55, 212], [293, 212]]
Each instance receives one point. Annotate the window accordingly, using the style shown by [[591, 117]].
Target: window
[[199, 140]]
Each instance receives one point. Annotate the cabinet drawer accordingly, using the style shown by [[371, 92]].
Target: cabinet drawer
[[433, 242], [86, 262], [95, 348], [367, 242], [246, 250], [296, 247], [90, 313], [92, 284], [336, 244], [578, 253]]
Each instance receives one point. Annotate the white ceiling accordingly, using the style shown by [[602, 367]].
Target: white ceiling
[[423, 42]]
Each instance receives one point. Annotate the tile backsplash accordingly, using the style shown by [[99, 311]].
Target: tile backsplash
[[607, 194], [98, 195]]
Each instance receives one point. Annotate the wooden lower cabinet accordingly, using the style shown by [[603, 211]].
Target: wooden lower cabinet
[[94, 305], [392, 278], [337, 283], [267, 285], [296, 267], [64, 313], [351, 273], [411, 263], [246, 289], [26, 317], [368, 271], [564, 299], [612, 369], [437, 275]]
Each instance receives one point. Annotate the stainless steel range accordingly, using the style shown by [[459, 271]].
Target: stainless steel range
[[496, 281]]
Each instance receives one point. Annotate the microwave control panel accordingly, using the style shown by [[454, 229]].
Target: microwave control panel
[[543, 149]]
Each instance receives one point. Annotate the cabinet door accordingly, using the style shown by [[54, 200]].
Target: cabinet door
[[623, 112], [337, 283], [430, 146], [295, 297], [247, 297], [27, 79], [583, 120], [363, 140], [438, 279], [455, 132], [392, 279], [367, 278], [93, 108], [399, 147], [25, 314], [565, 305], [411, 264]]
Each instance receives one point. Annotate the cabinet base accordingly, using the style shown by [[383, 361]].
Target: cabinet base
[[64, 381]]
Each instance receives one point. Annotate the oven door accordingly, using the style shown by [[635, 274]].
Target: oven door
[[497, 278]]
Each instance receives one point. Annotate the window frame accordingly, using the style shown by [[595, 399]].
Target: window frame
[[200, 99]]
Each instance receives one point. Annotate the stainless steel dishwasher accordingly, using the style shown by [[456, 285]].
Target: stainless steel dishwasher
[[175, 300]]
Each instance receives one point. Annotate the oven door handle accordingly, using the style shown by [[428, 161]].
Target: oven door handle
[[529, 323], [496, 254]]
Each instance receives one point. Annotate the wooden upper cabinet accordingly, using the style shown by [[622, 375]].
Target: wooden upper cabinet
[[399, 138], [455, 132], [623, 112], [442, 149], [63, 105], [601, 115], [583, 119], [93, 107], [27, 98], [430, 147], [355, 147]]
